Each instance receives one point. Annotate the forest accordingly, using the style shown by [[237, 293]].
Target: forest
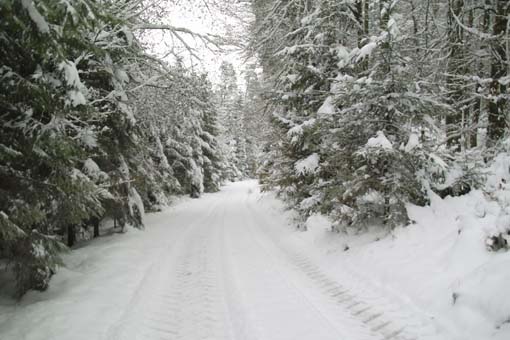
[[352, 109], [95, 128], [376, 103]]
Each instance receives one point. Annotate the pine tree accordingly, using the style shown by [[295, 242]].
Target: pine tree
[[62, 104], [362, 121]]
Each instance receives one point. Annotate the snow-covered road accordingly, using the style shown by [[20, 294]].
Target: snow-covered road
[[221, 267]]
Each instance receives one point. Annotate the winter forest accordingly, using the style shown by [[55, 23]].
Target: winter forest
[[359, 146]]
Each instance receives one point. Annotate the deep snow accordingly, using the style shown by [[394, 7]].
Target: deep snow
[[231, 266]]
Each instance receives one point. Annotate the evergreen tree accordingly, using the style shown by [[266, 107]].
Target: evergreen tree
[[367, 114], [53, 60], [68, 135]]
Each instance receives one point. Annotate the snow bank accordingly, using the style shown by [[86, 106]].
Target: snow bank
[[442, 264], [439, 265]]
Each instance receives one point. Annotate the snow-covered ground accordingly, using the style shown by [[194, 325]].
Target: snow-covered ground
[[439, 266], [231, 266]]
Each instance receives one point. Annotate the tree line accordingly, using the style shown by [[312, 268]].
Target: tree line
[[377, 103], [94, 128]]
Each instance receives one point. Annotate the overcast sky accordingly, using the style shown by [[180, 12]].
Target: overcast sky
[[193, 15]]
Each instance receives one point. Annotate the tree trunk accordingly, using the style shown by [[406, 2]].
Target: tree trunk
[[95, 223], [384, 10], [474, 114], [71, 235], [497, 114], [366, 16], [455, 61], [360, 13]]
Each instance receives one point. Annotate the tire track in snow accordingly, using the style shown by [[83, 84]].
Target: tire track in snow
[[190, 292], [279, 306], [204, 293], [221, 278], [152, 312], [385, 319], [343, 323], [196, 294], [242, 324]]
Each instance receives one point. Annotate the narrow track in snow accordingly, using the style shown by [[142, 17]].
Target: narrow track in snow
[[230, 276], [383, 317]]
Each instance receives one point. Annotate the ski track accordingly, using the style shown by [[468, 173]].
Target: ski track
[[231, 275]]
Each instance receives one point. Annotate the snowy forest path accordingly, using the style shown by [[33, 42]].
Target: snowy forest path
[[218, 268], [230, 275]]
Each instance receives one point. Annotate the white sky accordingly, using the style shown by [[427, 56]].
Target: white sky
[[193, 15]]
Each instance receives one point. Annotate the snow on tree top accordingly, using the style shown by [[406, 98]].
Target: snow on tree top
[[90, 166], [38, 250], [328, 107], [36, 17], [70, 74], [121, 76], [293, 78], [75, 98], [413, 142], [380, 141], [309, 165], [298, 129], [343, 56], [88, 138], [366, 51], [371, 197]]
